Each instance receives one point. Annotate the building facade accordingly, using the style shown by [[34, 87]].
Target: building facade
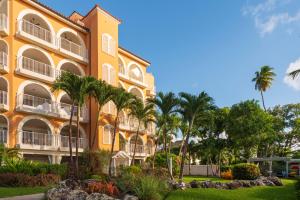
[[36, 45]]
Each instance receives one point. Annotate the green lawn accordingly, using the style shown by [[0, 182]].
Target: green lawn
[[286, 192], [188, 179], [17, 191]]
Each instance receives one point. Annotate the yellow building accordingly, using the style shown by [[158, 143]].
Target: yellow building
[[36, 44]]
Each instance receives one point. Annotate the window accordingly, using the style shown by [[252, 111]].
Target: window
[[121, 67], [135, 73], [108, 44], [110, 108], [108, 74], [107, 134]]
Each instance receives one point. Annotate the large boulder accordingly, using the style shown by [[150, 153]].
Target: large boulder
[[98, 196], [58, 193], [275, 180], [234, 185], [195, 184], [208, 184], [77, 195], [130, 197]]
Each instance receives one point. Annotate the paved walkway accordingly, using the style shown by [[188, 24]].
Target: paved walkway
[[26, 197]]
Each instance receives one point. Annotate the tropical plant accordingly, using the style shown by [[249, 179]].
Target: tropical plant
[[144, 114], [166, 105], [245, 171], [192, 106], [122, 101], [263, 80], [102, 93], [69, 83]]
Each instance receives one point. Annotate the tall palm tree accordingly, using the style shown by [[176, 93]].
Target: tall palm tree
[[159, 125], [102, 93], [69, 83], [85, 90], [173, 125], [190, 107], [122, 101], [144, 115], [263, 80], [167, 105]]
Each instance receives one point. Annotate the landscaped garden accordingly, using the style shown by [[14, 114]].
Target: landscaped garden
[[223, 137]]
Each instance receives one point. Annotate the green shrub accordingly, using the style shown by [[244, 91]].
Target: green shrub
[[24, 180], [133, 170], [245, 171], [160, 162], [149, 188]]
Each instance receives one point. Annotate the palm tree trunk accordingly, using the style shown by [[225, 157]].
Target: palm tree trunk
[[181, 146], [71, 166], [263, 100], [77, 138], [156, 145], [184, 151], [170, 144], [96, 128], [166, 153], [112, 145], [135, 143]]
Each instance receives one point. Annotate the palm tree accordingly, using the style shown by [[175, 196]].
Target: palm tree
[[102, 93], [263, 80], [85, 89], [159, 125], [190, 107], [167, 105], [122, 101], [69, 83], [144, 115], [173, 125]]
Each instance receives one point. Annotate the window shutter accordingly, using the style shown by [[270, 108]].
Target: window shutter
[[105, 108], [112, 76], [105, 73], [112, 47], [105, 43], [106, 135]]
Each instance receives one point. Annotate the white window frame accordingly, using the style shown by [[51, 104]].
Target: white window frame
[[109, 69], [110, 134]]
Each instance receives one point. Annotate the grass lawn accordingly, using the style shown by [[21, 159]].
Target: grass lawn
[[17, 191], [188, 179], [286, 192]]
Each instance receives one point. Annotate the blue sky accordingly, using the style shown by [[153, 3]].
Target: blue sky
[[209, 45]]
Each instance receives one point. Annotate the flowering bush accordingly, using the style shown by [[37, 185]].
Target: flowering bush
[[101, 187], [227, 175]]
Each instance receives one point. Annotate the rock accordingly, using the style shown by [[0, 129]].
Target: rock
[[234, 185], [98, 196], [77, 195], [58, 193], [245, 183], [208, 184], [130, 197], [195, 184], [69, 183], [259, 183], [275, 180], [172, 184]]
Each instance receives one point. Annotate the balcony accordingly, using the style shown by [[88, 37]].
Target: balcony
[[65, 112], [64, 143], [36, 140], [3, 136], [34, 68], [3, 101], [141, 150], [3, 24], [72, 49], [35, 32], [132, 125], [34, 104], [3, 62], [133, 81]]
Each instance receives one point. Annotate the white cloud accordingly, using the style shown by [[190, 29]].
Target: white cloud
[[294, 83], [266, 19]]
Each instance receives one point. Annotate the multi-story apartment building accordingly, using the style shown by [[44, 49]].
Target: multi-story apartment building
[[36, 45]]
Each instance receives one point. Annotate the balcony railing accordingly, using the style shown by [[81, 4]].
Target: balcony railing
[[35, 138], [35, 104], [64, 142], [65, 110], [59, 72], [3, 136], [139, 148], [73, 47], [3, 22], [37, 67], [3, 97], [36, 31], [3, 61]]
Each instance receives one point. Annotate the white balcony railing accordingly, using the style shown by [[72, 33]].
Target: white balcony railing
[[35, 104], [36, 139], [37, 67], [73, 47], [36, 31], [65, 111], [139, 148], [3, 97], [64, 142], [3, 61], [3, 136], [3, 22]]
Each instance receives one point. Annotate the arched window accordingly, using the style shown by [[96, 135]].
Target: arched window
[[121, 67], [108, 74], [108, 131], [136, 73], [138, 93], [108, 44], [3, 129], [3, 94], [3, 56]]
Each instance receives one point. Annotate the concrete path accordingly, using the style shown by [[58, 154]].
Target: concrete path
[[26, 197]]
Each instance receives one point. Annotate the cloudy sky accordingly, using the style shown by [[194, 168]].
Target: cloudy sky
[[210, 45]]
